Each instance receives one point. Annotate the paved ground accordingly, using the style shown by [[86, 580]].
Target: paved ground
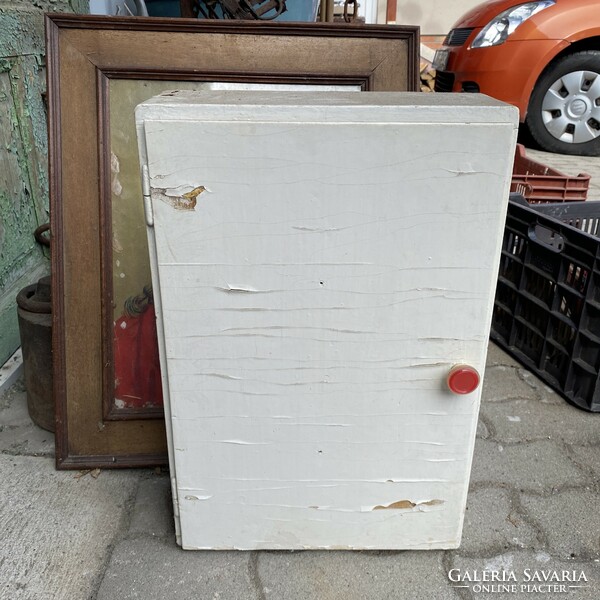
[[532, 509]]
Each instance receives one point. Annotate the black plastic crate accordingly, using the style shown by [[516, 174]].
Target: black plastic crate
[[547, 307]]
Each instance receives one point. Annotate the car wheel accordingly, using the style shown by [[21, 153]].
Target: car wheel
[[564, 109]]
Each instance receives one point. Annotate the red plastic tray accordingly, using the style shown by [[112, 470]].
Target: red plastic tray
[[540, 183]]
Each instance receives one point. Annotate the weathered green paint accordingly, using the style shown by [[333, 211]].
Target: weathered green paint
[[23, 152], [27, 89], [16, 208]]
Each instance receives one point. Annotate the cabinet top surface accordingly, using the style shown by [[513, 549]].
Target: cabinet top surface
[[366, 107]]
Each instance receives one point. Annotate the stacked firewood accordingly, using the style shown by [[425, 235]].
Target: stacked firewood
[[427, 76]]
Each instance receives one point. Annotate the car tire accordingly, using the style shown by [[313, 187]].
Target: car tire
[[564, 108]]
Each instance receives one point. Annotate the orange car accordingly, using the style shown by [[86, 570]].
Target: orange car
[[543, 57]]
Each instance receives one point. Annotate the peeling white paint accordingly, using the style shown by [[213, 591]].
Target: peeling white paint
[[243, 443], [115, 168], [238, 288], [543, 557], [310, 310], [116, 244], [502, 562], [183, 197]]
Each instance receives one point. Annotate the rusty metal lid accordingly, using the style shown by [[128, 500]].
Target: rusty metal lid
[[36, 298]]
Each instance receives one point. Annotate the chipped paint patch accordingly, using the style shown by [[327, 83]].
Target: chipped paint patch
[[543, 557], [502, 562], [179, 201], [115, 168], [196, 498], [404, 504]]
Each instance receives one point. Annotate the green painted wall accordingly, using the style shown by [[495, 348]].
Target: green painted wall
[[23, 152]]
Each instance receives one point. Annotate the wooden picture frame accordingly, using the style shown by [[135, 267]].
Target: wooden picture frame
[[86, 56]]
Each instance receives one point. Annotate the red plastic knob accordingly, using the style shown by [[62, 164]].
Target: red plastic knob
[[463, 379]]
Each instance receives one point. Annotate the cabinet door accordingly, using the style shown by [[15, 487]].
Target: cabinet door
[[317, 282]]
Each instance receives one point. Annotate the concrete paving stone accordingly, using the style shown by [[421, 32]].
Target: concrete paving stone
[[529, 419], [482, 430], [528, 569], [570, 521], [153, 508], [498, 357], [491, 521], [157, 569], [11, 371], [503, 383], [546, 394], [588, 457], [19, 435], [56, 529], [535, 466], [353, 576]]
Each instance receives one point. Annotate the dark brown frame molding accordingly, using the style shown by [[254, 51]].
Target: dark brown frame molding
[[84, 53]]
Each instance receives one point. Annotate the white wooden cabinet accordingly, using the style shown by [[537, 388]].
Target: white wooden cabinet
[[320, 263]]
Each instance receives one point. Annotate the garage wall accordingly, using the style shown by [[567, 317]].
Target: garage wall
[[435, 17], [23, 152]]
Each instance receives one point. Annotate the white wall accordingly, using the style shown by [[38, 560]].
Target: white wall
[[435, 17]]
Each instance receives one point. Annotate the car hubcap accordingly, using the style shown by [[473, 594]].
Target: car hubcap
[[571, 107]]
